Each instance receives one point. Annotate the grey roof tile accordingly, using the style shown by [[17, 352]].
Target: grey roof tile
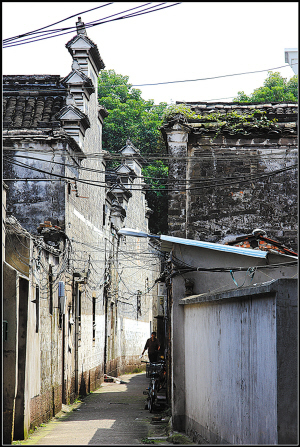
[[32, 101]]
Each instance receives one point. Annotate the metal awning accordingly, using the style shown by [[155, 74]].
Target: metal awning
[[168, 241]]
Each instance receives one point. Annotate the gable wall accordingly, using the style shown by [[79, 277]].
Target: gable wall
[[210, 199], [267, 202]]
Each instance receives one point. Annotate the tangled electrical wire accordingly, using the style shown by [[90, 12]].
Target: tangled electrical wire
[[42, 33]]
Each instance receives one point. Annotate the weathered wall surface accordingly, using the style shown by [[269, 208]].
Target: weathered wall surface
[[226, 183], [55, 170], [34, 201], [231, 209], [177, 146], [136, 266], [287, 313], [132, 338], [235, 379]]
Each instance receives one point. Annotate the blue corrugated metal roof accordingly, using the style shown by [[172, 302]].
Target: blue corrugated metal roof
[[213, 246]]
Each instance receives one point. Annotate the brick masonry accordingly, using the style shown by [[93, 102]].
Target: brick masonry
[[213, 202]]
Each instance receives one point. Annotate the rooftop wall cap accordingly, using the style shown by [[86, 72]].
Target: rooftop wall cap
[[93, 49], [130, 146], [78, 78], [237, 293], [70, 112]]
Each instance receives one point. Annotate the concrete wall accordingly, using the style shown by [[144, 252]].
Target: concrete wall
[[182, 334], [240, 365], [10, 349]]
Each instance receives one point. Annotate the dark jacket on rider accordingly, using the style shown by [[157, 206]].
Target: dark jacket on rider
[[152, 346]]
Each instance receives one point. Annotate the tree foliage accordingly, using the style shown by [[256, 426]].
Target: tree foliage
[[156, 176], [130, 116], [275, 89]]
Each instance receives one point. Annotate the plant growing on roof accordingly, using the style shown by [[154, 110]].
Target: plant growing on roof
[[232, 122], [178, 109]]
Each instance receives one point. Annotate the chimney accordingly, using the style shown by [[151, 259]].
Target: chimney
[[80, 27]]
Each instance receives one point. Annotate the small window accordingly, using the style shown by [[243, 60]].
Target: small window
[[79, 315], [37, 308], [139, 304], [104, 210], [5, 330], [79, 306], [50, 290]]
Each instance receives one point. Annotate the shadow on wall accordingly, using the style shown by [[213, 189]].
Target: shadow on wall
[[82, 389]]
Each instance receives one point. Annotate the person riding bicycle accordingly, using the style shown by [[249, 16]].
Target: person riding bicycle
[[153, 346]]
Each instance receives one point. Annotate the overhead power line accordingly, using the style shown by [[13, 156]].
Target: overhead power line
[[107, 19], [55, 23], [164, 179], [212, 77], [204, 183], [199, 79], [73, 28]]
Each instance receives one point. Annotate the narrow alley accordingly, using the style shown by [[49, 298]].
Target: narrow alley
[[114, 414]]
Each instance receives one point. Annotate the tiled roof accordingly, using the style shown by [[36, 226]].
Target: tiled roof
[[261, 242], [274, 109], [31, 102], [285, 114]]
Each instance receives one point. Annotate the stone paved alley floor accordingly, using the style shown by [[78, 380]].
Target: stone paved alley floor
[[112, 415]]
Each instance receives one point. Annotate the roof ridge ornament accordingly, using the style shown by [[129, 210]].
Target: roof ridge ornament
[[80, 27], [75, 65], [70, 100]]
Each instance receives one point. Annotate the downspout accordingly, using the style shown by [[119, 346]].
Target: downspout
[[105, 329], [52, 320], [76, 337], [63, 394], [105, 298], [169, 344]]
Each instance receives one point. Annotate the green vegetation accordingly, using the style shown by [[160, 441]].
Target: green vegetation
[[136, 371], [231, 122], [275, 89], [130, 116], [147, 441], [178, 109], [156, 176], [179, 438]]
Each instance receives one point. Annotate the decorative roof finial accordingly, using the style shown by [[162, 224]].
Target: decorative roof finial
[[70, 100], [80, 27], [75, 65]]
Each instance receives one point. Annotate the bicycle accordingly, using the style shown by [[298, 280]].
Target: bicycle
[[157, 374]]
